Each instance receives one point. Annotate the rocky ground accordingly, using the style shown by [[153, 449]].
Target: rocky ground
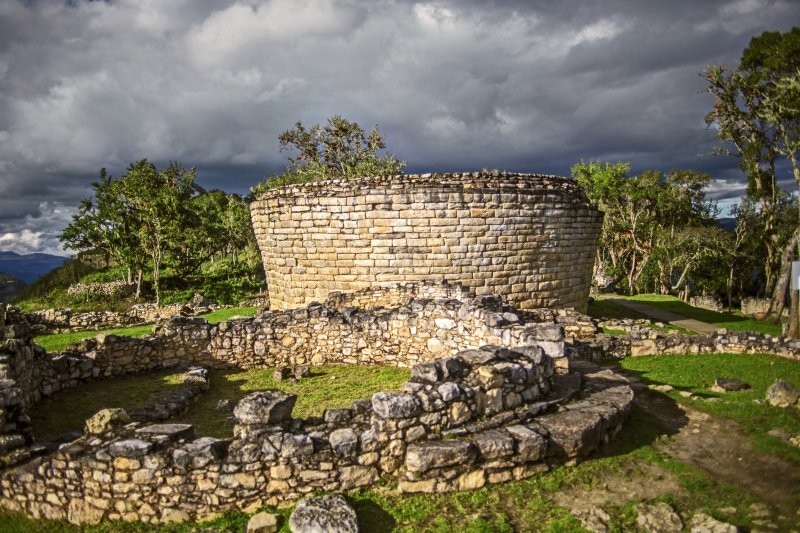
[[714, 446]]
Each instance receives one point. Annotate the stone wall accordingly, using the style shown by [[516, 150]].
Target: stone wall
[[459, 423], [529, 238], [419, 331], [652, 342], [712, 303], [67, 320]]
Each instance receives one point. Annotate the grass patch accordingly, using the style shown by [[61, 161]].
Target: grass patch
[[222, 315], [600, 308], [729, 321], [328, 386], [67, 411], [57, 342], [696, 373]]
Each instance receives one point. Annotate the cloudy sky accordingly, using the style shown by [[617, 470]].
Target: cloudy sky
[[454, 85]]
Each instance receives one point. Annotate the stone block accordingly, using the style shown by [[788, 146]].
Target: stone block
[[265, 408], [422, 457]]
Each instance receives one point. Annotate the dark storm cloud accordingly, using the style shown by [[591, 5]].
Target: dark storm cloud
[[528, 86]]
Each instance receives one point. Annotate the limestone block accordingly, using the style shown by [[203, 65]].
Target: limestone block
[[265, 408], [324, 513]]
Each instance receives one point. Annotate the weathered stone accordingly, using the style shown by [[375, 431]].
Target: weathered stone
[[571, 434], [281, 373], [703, 523], [729, 385], [265, 408], [425, 373], [658, 518], [262, 522], [395, 405], [324, 514], [105, 420], [494, 444], [531, 446], [421, 457], [130, 448], [783, 394], [169, 432], [344, 442]]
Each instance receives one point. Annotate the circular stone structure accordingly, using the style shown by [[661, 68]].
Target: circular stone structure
[[528, 237]]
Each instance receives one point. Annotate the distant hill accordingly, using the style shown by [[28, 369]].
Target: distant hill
[[28, 268], [10, 287], [729, 223]]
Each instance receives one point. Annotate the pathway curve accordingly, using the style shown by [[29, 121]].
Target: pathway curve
[[668, 317]]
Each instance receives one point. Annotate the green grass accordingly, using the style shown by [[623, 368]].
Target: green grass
[[696, 373], [328, 386], [600, 308], [67, 411], [729, 321], [57, 342], [226, 314]]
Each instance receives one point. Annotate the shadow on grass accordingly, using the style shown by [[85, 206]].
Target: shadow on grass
[[371, 516], [654, 415]]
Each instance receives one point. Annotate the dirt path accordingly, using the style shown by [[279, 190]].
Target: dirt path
[[714, 445]]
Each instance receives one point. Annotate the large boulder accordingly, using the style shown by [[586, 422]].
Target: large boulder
[[324, 514], [265, 408], [783, 394]]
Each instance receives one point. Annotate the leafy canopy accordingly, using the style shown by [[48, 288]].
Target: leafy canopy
[[340, 149]]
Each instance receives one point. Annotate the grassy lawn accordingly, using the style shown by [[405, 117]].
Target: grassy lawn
[[328, 386], [56, 342], [528, 504], [696, 373], [600, 308], [729, 321]]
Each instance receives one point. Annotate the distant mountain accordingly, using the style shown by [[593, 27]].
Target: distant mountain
[[29, 267], [729, 223], [9, 287]]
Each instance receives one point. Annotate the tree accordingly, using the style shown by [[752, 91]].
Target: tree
[[102, 223], [756, 112], [643, 215], [340, 149]]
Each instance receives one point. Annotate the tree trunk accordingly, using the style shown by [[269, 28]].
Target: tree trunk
[[138, 284], [778, 302]]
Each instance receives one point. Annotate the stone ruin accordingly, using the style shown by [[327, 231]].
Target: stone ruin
[[527, 237], [491, 398]]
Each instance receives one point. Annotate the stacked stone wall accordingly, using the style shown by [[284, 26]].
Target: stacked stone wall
[[529, 238], [459, 423], [67, 320]]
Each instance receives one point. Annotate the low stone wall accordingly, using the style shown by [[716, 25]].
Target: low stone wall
[[755, 306], [712, 303], [109, 289], [459, 423], [420, 331], [652, 342], [67, 320]]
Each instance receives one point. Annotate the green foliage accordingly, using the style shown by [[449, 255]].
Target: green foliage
[[756, 115], [657, 228], [339, 150]]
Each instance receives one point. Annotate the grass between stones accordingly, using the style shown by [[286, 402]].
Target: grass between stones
[[628, 470], [57, 342]]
